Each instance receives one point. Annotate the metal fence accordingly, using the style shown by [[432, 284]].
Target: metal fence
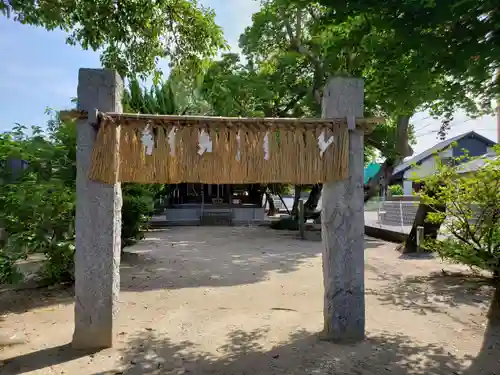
[[394, 214]]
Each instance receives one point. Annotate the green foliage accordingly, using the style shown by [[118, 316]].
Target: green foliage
[[178, 95], [132, 35], [136, 211], [472, 218], [37, 204], [395, 190], [299, 46], [455, 44]]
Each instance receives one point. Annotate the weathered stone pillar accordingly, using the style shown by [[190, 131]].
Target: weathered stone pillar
[[98, 220], [342, 225]]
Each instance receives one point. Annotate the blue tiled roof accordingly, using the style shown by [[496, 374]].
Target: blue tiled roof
[[435, 149]]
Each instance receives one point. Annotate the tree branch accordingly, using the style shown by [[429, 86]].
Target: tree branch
[[296, 45], [290, 105], [402, 128], [465, 221], [298, 25], [288, 26]]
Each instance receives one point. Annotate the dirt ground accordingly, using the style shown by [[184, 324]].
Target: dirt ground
[[242, 300]]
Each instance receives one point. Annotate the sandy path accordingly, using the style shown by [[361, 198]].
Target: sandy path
[[238, 301]]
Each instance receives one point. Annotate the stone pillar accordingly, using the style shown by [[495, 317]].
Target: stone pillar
[[342, 225], [98, 220]]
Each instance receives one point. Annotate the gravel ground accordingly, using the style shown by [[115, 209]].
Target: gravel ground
[[242, 300]]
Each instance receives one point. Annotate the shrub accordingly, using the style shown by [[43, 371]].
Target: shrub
[[136, 213], [37, 203], [395, 190], [472, 219]]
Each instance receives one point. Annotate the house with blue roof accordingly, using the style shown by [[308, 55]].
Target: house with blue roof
[[425, 163]]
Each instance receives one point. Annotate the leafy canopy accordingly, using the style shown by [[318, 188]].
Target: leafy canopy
[[458, 40], [131, 35]]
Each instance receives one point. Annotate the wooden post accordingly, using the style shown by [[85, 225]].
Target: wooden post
[[342, 224], [420, 237], [302, 223], [98, 220]]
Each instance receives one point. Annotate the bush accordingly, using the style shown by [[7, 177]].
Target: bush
[[472, 219], [37, 203], [8, 271], [136, 213], [395, 190]]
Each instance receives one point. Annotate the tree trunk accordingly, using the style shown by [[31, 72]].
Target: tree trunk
[[296, 198], [383, 176], [313, 199], [494, 311], [403, 150], [430, 229], [272, 207]]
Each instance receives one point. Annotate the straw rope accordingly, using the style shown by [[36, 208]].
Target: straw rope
[[293, 152]]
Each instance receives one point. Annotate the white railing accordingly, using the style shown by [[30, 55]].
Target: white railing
[[397, 215]]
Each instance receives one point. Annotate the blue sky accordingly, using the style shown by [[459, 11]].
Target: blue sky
[[38, 70]]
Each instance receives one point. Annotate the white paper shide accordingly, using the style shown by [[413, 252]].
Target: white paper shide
[[238, 146], [324, 144], [171, 140], [266, 146], [204, 142], [147, 139]]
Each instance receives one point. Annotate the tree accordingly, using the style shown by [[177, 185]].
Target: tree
[[133, 35], [472, 217], [233, 88], [296, 32], [417, 55], [177, 95], [164, 99], [447, 50], [464, 38], [37, 200]]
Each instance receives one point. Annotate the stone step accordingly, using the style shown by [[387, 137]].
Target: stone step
[[398, 215], [217, 213], [217, 219], [396, 222]]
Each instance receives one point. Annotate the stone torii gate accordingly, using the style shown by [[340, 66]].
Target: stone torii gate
[[98, 221]]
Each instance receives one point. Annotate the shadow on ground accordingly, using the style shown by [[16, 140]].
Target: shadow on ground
[[305, 354], [181, 258], [20, 301], [435, 293], [302, 354], [190, 257]]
